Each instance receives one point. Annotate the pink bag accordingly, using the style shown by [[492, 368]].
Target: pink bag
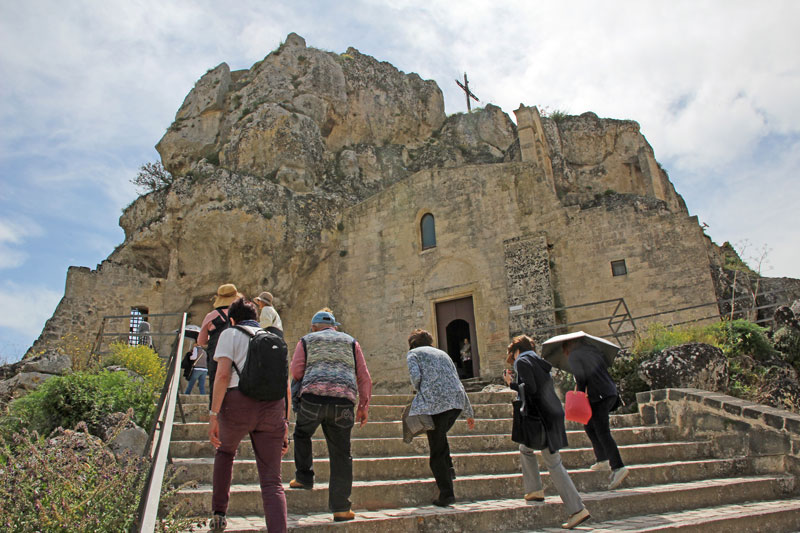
[[577, 408]]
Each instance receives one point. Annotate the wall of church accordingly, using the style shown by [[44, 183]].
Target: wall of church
[[666, 265]]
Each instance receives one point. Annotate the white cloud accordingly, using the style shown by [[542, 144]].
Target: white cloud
[[13, 235], [37, 302]]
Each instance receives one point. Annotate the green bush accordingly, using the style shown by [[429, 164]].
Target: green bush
[[140, 359], [71, 483], [742, 337], [80, 397], [658, 337]]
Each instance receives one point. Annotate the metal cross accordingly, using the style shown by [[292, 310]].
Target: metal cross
[[465, 88]]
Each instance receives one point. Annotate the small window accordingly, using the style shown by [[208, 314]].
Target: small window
[[618, 268], [428, 230]]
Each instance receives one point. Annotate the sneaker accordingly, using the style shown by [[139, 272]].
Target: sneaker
[[617, 476], [601, 466], [343, 516], [535, 496], [578, 518], [294, 484], [218, 523], [447, 501]]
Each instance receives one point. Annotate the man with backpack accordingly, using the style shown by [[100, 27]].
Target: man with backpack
[[333, 375], [250, 397], [213, 325]]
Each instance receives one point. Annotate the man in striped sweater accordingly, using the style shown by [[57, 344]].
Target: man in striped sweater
[[334, 378]]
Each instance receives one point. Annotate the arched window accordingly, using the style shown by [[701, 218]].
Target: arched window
[[428, 230]]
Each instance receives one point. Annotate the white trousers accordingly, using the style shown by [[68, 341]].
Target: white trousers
[[558, 475]]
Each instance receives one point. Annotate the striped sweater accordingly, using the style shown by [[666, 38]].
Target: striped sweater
[[330, 365]]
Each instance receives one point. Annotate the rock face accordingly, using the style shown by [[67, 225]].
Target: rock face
[[694, 365], [308, 175], [20, 378], [284, 116]]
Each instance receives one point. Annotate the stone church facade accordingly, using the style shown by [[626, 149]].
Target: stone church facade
[[336, 180]]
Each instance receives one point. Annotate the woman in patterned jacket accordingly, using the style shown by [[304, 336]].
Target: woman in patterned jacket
[[441, 395]]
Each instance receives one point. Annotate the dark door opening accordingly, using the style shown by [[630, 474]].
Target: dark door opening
[[455, 323]]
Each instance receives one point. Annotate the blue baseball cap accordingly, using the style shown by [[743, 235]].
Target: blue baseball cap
[[324, 317]]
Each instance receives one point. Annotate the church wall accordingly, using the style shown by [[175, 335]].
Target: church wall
[[667, 267], [385, 285]]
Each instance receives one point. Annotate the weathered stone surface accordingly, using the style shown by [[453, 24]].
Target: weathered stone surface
[[17, 379], [690, 365], [120, 434], [780, 388]]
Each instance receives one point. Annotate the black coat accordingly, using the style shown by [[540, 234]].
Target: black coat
[[540, 395], [591, 372]]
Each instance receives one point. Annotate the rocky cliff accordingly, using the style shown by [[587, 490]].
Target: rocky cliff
[[267, 159]]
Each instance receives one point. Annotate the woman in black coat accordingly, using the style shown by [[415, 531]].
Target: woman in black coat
[[592, 377], [538, 395]]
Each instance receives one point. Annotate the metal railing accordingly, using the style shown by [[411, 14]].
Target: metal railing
[[157, 448], [621, 315]]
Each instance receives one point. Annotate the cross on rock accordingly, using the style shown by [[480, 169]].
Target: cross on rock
[[465, 87]]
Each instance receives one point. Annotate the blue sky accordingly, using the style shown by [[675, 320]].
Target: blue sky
[[88, 88]]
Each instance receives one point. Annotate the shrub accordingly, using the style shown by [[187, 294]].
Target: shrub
[[140, 359], [658, 337], [152, 177], [80, 397], [742, 337], [70, 482]]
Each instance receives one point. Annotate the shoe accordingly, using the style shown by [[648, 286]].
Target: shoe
[[294, 484], [444, 502], [578, 518], [535, 496], [343, 516], [218, 523], [452, 473], [601, 466], [617, 476]]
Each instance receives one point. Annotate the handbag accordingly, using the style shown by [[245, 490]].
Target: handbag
[[576, 407], [414, 425], [527, 429]]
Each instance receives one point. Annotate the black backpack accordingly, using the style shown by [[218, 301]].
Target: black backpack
[[221, 323], [264, 374]]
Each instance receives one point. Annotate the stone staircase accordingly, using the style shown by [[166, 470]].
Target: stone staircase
[[675, 484]]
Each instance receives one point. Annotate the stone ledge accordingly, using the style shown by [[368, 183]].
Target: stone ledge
[[725, 406]]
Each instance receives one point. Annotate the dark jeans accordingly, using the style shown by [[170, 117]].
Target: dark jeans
[[266, 424], [599, 432], [440, 460], [337, 422]]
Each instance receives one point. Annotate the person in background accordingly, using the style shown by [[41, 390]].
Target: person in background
[[333, 376], [234, 415], [535, 383], [199, 360], [441, 395], [269, 317], [214, 323], [592, 377]]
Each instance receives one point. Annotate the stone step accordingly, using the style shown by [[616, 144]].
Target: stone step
[[394, 446], [377, 413], [774, 516], [466, 464], [517, 515], [385, 494], [483, 426], [386, 399]]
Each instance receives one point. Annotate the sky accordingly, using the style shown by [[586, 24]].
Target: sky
[[87, 88]]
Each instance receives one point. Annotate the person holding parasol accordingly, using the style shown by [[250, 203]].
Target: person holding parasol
[[588, 358]]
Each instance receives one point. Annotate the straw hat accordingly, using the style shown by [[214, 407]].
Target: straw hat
[[265, 298], [225, 296]]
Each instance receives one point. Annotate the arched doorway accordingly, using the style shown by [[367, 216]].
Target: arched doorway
[[455, 324]]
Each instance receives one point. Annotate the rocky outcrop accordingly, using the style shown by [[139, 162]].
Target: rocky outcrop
[[284, 117], [693, 365], [20, 378]]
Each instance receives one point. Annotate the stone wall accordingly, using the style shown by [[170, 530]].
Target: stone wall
[[769, 435]]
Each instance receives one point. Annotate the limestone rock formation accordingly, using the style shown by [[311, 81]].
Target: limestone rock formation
[[308, 173], [693, 365], [20, 378]]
